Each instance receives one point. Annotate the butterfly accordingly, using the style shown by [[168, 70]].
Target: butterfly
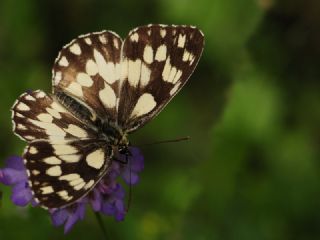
[[103, 90]]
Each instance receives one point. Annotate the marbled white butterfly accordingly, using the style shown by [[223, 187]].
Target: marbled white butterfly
[[103, 89]]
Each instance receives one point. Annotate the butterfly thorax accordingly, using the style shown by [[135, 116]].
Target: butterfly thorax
[[112, 134]]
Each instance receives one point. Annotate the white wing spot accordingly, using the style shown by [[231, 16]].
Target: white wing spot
[[19, 115], [191, 59], [134, 68], [53, 113], [29, 137], [103, 39], [175, 88], [33, 150], [63, 149], [58, 107], [148, 54], [96, 159], [107, 70], [177, 77], [76, 182], [170, 73], [134, 37], [47, 190], [35, 172], [57, 77], [75, 49], [166, 70], [54, 171], [80, 186], [84, 80], [163, 33], [107, 96], [144, 105], [91, 67], [145, 75], [69, 177], [40, 94], [63, 62], [71, 158], [116, 43], [21, 127], [89, 184], [75, 88], [161, 53], [64, 195], [45, 117], [186, 55], [88, 41], [76, 131], [52, 160], [181, 40], [30, 98], [22, 107]]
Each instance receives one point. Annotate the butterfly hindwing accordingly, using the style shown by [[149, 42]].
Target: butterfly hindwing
[[61, 172], [88, 69], [36, 115], [157, 62]]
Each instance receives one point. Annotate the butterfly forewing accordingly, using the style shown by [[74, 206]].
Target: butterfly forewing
[[88, 69], [157, 62]]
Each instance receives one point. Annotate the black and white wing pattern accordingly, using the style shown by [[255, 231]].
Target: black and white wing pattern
[[157, 61], [36, 115], [88, 69], [61, 171], [64, 159]]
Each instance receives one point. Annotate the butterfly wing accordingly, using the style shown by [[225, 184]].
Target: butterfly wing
[[61, 172], [157, 62], [64, 158], [36, 115], [88, 69]]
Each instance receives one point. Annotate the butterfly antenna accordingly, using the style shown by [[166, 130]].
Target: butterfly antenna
[[167, 141]]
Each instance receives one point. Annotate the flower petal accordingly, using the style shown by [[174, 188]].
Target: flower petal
[[108, 209], [96, 201], [59, 216], [126, 177], [10, 176], [77, 214], [21, 194], [15, 162]]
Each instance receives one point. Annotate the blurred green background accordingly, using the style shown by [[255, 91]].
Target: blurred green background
[[252, 167]]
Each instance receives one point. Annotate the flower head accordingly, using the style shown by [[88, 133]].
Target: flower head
[[107, 197]]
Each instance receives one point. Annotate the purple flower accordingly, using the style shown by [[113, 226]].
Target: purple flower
[[15, 175], [107, 197]]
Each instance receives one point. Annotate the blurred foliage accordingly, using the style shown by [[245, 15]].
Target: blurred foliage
[[252, 167]]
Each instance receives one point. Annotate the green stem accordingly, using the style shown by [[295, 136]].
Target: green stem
[[101, 225]]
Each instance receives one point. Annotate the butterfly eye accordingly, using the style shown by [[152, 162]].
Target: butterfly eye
[[124, 150]]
